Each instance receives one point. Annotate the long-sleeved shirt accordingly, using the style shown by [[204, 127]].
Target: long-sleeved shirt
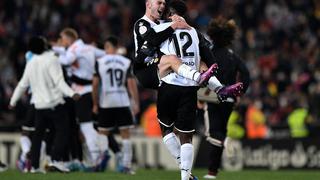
[[43, 74], [230, 64]]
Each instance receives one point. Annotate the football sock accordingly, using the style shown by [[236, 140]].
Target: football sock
[[103, 142], [127, 152], [186, 160], [173, 145], [91, 137], [214, 84], [189, 73], [25, 147]]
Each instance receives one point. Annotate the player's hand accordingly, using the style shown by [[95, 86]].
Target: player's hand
[[180, 25], [10, 107], [95, 109], [176, 18], [76, 97]]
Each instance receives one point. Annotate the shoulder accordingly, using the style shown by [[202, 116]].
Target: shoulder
[[141, 26]]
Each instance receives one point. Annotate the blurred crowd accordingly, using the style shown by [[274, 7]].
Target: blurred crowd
[[277, 39]]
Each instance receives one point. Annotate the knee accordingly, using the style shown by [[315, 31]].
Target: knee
[[185, 137]]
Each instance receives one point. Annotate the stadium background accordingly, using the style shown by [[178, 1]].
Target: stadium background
[[278, 40]]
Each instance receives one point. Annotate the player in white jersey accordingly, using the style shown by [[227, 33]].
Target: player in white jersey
[[113, 74], [81, 57], [177, 95], [146, 42]]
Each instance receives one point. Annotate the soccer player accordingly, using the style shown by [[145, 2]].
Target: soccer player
[[147, 40], [111, 101], [43, 74], [222, 33], [81, 57]]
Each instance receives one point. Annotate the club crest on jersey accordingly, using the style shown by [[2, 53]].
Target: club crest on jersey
[[142, 29]]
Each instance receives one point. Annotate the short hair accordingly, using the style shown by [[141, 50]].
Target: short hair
[[37, 45], [113, 40], [179, 7], [70, 32], [222, 31]]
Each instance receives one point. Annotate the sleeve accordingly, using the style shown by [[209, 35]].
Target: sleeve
[[55, 71], [67, 58], [205, 52], [22, 86], [244, 73], [59, 49], [144, 29], [98, 53]]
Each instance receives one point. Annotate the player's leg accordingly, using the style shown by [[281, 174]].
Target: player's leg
[[115, 148], [125, 122], [40, 127], [166, 110], [186, 116], [173, 63], [58, 119], [23, 163], [218, 118], [83, 109]]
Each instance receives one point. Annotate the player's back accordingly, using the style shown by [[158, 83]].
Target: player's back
[[83, 67], [184, 44], [113, 72]]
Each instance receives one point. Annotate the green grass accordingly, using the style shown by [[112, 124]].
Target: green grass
[[143, 174]]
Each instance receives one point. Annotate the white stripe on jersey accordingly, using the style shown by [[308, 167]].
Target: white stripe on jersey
[[185, 44], [112, 70], [135, 35]]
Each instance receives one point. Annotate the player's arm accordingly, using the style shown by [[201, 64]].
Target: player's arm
[[56, 74], [21, 88], [98, 53], [205, 52], [244, 75], [95, 89], [67, 58], [133, 91]]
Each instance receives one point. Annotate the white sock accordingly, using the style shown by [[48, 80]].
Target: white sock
[[186, 160], [189, 73], [91, 137], [173, 145], [25, 147], [103, 142], [43, 151], [214, 84], [127, 152]]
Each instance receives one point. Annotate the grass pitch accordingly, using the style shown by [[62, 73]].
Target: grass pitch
[[143, 174]]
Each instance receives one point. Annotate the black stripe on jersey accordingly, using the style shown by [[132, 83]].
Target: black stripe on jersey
[[145, 33]]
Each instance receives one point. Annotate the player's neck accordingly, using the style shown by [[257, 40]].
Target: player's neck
[[150, 17]]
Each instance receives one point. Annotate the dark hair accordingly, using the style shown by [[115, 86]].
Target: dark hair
[[222, 31], [113, 40], [179, 7], [37, 45]]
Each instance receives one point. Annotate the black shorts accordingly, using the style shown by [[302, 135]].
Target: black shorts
[[83, 108], [110, 118], [177, 106], [148, 76], [218, 119], [29, 123]]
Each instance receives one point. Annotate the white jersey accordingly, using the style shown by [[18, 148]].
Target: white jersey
[[185, 44], [82, 58], [113, 71]]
